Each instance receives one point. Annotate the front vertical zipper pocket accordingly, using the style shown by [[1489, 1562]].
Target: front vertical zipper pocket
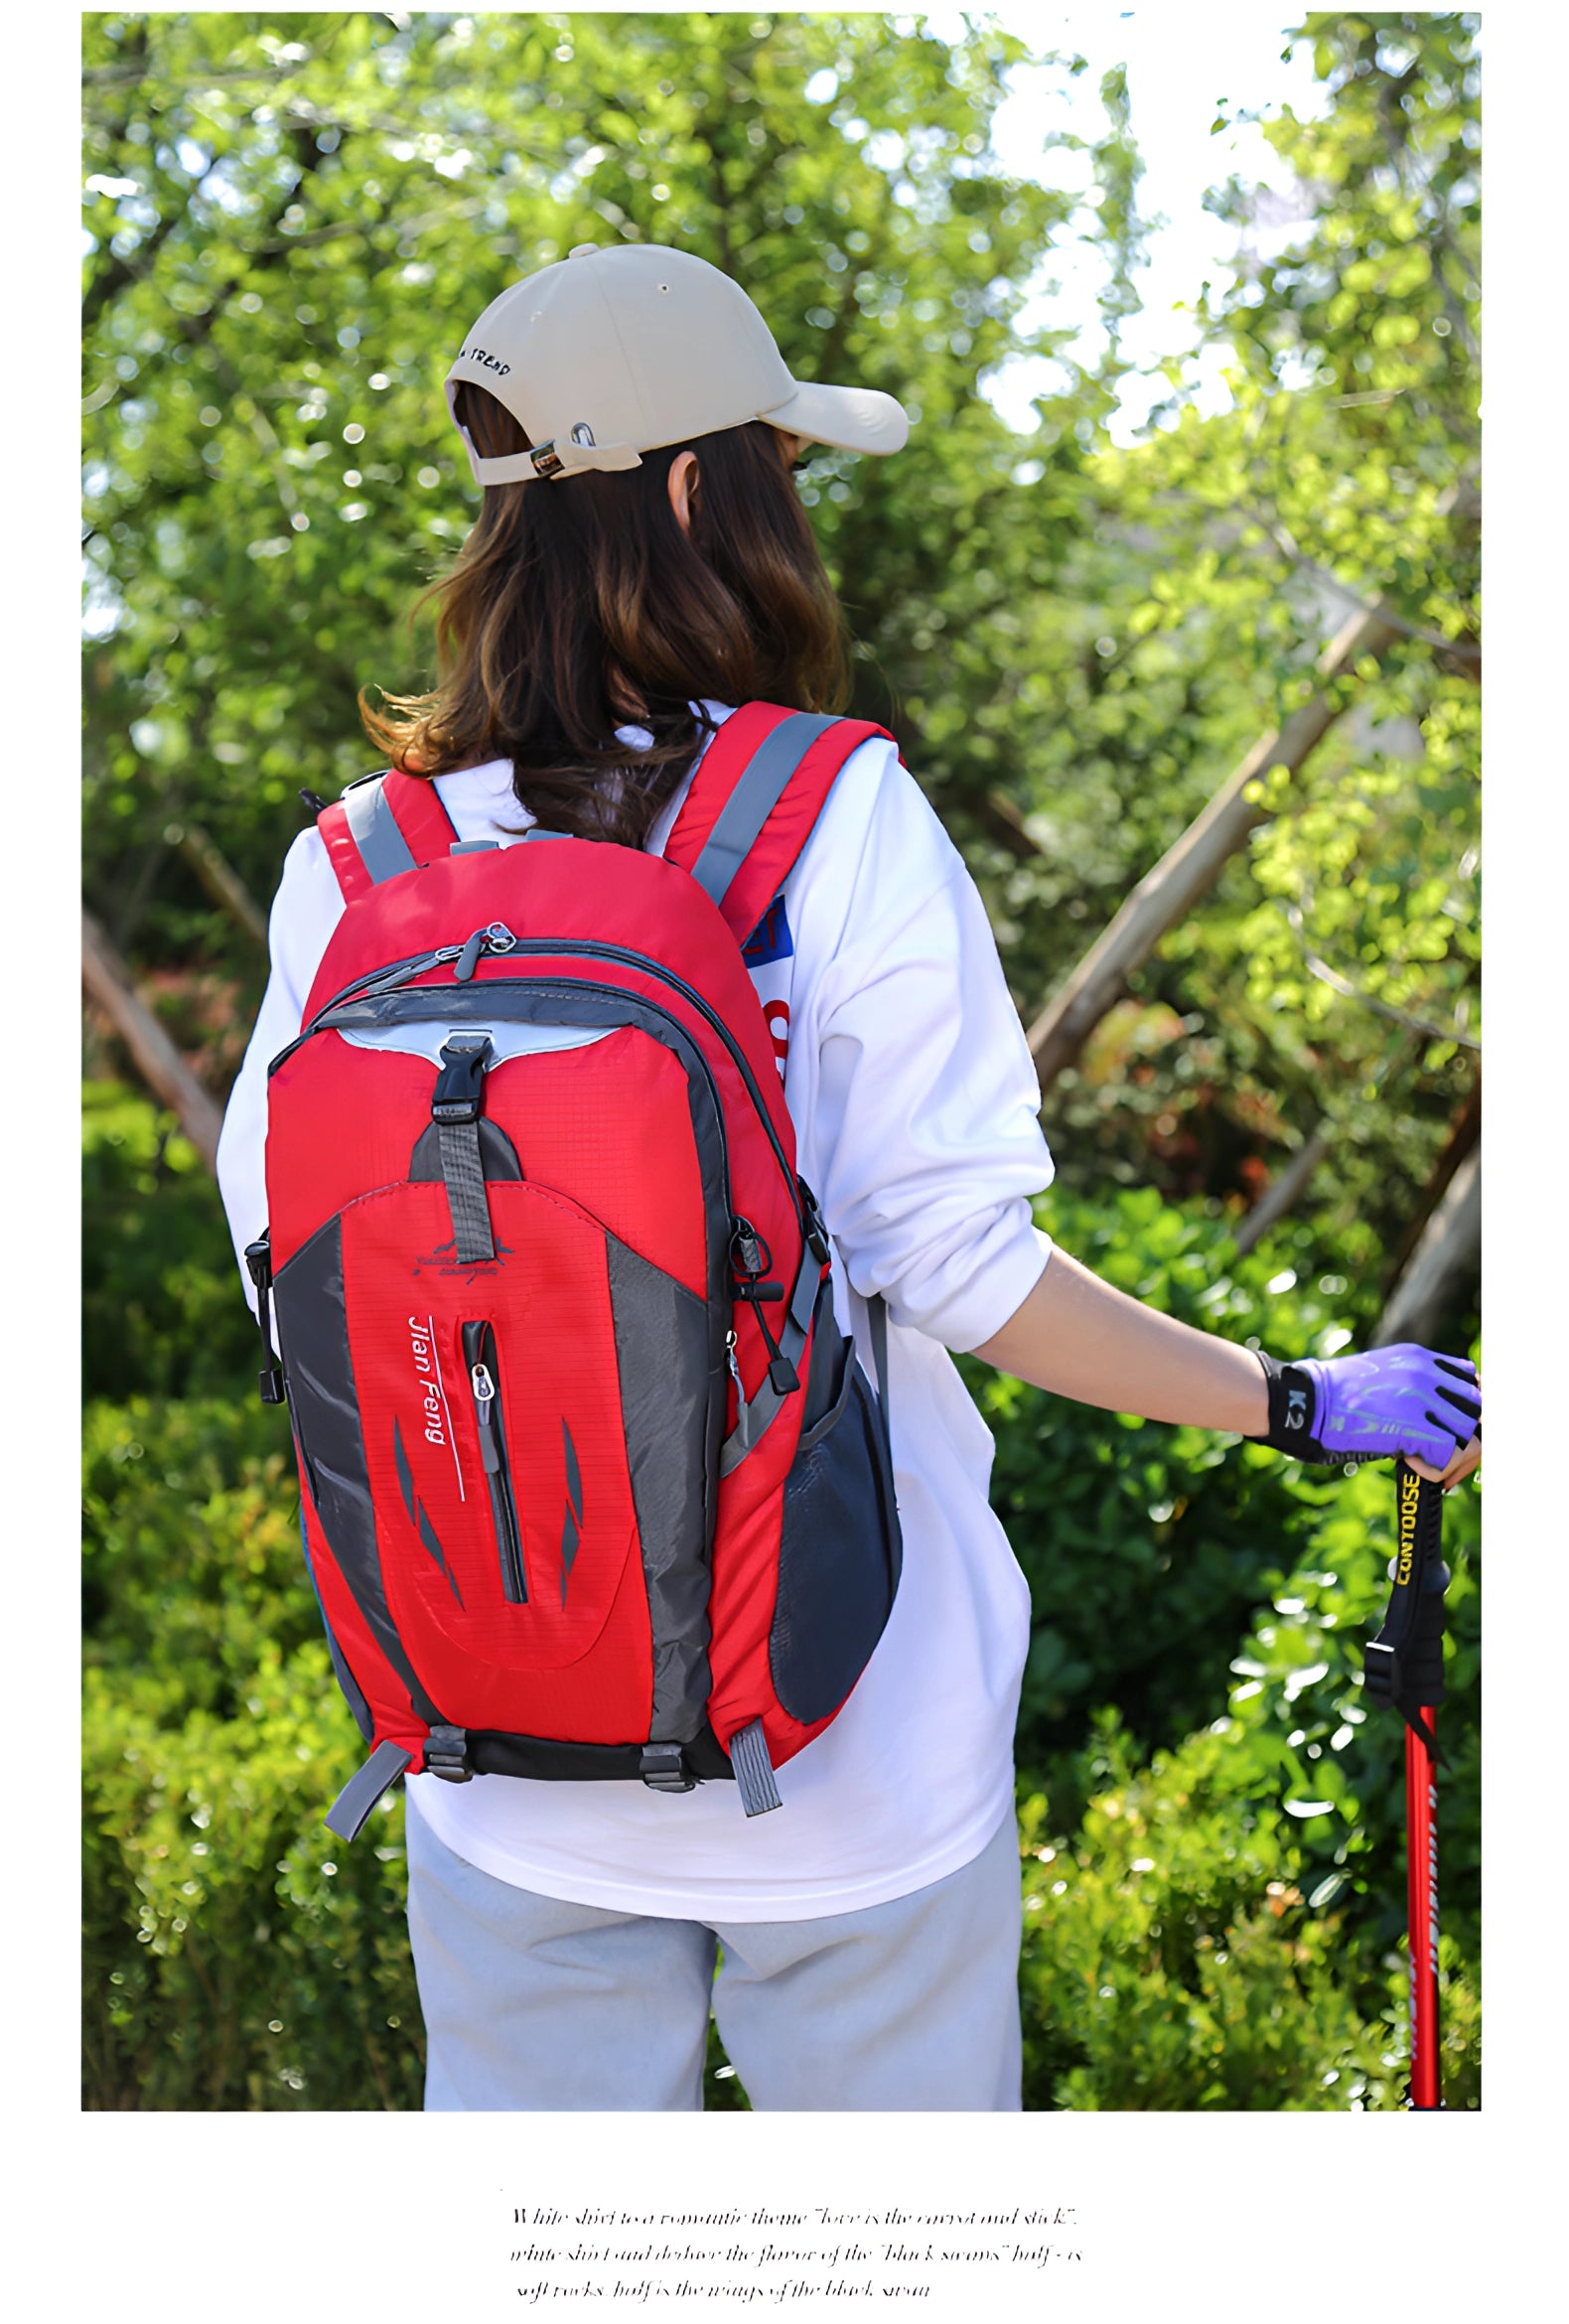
[[479, 1354]]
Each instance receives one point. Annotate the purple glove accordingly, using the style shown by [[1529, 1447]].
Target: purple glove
[[1401, 1399]]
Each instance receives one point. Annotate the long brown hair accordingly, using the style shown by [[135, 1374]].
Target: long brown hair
[[579, 606]]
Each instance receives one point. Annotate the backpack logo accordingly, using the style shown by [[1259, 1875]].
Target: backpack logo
[[444, 1260]]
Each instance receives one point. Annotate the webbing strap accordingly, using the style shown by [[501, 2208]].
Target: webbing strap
[[359, 1795], [455, 1109], [758, 792], [748, 826], [753, 1770], [877, 1318], [464, 1173]]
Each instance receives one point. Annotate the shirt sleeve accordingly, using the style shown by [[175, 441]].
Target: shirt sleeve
[[304, 914], [924, 1114]]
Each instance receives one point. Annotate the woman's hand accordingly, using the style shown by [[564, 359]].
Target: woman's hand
[[1460, 1468], [1401, 1400], [1079, 1337]]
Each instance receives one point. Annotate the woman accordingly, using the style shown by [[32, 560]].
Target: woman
[[641, 567]]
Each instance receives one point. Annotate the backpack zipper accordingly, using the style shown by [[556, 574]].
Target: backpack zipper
[[401, 973], [479, 1353]]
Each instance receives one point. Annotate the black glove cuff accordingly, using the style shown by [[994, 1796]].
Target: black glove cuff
[[1293, 1410]]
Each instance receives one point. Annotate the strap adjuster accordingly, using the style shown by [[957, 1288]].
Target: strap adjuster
[[816, 1231], [663, 1767], [447, 1755]]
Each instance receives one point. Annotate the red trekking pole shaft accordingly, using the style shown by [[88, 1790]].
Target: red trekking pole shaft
[[1421, 1889], [1404, 1666]]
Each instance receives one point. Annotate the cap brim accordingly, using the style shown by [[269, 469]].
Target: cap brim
[[853, 419]]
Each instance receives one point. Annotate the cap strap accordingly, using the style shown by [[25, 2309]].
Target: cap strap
[[557, 458]]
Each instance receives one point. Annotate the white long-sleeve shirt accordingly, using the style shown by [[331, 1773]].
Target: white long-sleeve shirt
[[914, 1101]]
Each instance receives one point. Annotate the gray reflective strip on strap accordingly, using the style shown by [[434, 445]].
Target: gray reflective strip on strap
[[463, 1172], [753, 1770], [754, 1421], [750, 805], [359, 1795], [383, 850]]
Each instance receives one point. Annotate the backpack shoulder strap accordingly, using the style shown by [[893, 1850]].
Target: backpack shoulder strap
[[382, 826], [760, 785]]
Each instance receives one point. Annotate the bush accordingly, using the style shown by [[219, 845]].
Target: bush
[[1147, 1547], [235, 1955], [163, 1313], [1171, 1959]]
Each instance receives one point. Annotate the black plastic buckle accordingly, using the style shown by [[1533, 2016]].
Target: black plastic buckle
[[459, 1084], [663, 1767], [447, 1755], [258, 1265]]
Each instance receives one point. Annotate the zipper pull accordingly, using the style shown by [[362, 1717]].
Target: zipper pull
[[742, 1433], [483, 1409], [496, 938]]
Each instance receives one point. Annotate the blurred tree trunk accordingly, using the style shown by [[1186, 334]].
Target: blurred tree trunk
[[1447, 1252], [1284, 1190], [107, 981]]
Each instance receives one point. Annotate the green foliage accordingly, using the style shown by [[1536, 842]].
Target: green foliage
[[160, 1314], [1074, 644], [279, 207], [1172, 1960], [1146, 1548], [234, 1955]]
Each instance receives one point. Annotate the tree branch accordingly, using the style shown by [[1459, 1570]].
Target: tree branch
[[107, 981], [1168, 892]]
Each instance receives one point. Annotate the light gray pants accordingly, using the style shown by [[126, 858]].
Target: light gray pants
[[533, 2004]]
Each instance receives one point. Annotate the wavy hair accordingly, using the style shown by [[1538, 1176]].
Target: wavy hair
[[580, 606]]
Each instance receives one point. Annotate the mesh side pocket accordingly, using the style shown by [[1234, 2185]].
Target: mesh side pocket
[[839, 1548]]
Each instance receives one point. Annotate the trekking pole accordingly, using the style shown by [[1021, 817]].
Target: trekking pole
[[1403, 1667]]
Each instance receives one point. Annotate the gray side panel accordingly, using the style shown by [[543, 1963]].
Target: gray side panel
[[313, 1336], [666, 1391], [756, 794], [383, 850]]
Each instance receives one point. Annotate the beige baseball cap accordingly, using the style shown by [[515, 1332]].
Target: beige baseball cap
[[611, 353]]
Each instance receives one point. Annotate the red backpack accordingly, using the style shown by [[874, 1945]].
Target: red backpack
[[593, 1485]]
